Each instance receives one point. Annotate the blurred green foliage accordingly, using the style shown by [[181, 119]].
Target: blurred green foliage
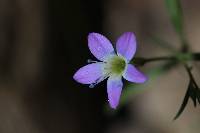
[[176, 14]]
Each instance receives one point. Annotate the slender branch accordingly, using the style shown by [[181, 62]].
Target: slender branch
[[142, 61], [196, 56], [182, 57], [161, 58]]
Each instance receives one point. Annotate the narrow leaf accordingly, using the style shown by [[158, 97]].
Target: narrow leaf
[[198, 98], [192, 92], [175, 12], [198, 95], [185, 101], [193, 97]]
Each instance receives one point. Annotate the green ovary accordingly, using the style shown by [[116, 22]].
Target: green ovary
[[117, 65]]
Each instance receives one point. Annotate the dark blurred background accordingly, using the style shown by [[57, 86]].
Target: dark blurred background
[[43, 43]]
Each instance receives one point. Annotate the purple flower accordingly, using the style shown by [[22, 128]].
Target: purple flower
[[112, 66]]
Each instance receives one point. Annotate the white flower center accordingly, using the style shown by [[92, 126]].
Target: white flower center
[[115, 65]]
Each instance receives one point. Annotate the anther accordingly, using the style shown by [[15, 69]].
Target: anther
[[92, 85], [91, 61], [98, 81]]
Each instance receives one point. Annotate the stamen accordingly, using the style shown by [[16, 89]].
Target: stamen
[[98, 81], [91, 86], [91, 61]]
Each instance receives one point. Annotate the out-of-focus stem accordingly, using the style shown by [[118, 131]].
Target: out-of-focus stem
[[183, 57], [160, 58]]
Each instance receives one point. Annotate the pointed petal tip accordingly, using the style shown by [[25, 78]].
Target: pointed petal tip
[[113, 102], [114, 88], [75, 77], [143, 79], [129, 32], [113, 105]]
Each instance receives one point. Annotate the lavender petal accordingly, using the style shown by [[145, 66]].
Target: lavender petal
[[114, 88], [126, 45], [133, 75], [99, 46], [89, 74]]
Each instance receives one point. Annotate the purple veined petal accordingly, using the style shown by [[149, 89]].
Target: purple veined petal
[[133, 75], [99, 46], [89, 74], [114, 88], [126, 45]]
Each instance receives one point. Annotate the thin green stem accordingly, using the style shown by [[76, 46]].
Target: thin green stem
[[181, 57], [161, 58]]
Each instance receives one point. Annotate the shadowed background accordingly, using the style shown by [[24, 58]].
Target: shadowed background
[[43, 43]]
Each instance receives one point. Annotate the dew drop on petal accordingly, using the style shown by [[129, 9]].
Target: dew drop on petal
[[99, 48]]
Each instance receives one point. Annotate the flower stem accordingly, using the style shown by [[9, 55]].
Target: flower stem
[[181, 57], [160, 58], [140, 61]]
